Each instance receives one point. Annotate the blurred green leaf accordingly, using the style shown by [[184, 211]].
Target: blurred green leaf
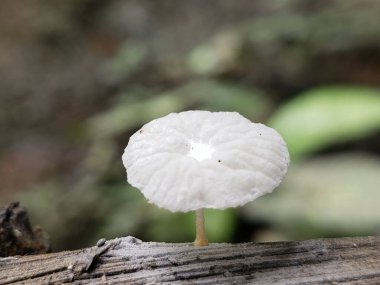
[[162, 225], [42, 202], [80, 217], [125, 209], [203, 95], [180, 227], [221, 54], [127, 60], [220, 224], [326, 116], [335, 195]]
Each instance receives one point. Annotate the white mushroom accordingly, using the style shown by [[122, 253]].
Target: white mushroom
[[199, 159]]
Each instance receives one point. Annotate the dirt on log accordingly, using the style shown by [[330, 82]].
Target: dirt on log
[[128, 260]]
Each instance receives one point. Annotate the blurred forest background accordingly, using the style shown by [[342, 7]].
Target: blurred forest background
[[78, 77]]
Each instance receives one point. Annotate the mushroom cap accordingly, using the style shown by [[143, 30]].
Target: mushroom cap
[[200, 159]]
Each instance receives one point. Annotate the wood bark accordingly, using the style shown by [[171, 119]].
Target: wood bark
[[129, 261], [17, 236]]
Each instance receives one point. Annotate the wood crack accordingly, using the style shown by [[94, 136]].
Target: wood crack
[[130, 261]]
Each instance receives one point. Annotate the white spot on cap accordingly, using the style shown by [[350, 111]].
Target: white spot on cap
[[200, 151]]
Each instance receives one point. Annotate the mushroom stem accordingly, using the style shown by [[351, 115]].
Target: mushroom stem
[[201, 239]]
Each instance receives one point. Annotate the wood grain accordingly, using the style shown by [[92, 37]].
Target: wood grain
[[129, 261]]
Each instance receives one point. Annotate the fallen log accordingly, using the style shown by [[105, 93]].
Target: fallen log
[[128, 260]]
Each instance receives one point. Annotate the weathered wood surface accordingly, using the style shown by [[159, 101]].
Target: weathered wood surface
[[130, 261]]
